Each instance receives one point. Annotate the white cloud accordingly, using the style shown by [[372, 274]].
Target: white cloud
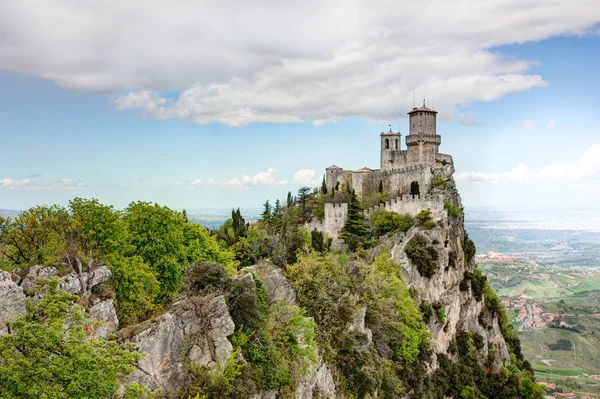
[[527, 124], [518, 173], [27, 184], [587, 166], [304, 177], [261, 178], [551, 124], [68, 183], [17, 184], [467, 119], [237, 62]]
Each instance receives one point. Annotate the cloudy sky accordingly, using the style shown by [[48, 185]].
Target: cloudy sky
[[216, 104]]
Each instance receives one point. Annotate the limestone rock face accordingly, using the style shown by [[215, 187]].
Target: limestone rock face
[[104, 313], [38, 271], [317, 383], [195, 328], [12, 301], [71, 284], [278, 288], [461, 309]]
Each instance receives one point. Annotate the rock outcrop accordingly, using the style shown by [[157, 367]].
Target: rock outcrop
[[12, 301], [102, 319], [194, 329], [460, 308]]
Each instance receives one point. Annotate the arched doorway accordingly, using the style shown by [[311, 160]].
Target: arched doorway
[[414, 188]]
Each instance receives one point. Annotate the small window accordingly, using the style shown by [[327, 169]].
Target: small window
[[387, 144], [396, 144]]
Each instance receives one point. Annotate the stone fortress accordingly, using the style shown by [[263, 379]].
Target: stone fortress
[[405, 176]]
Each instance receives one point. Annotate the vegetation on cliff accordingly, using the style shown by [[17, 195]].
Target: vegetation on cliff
[[352, 309]]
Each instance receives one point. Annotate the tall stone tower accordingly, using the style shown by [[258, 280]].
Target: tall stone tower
[[390, 150], [423, 142]]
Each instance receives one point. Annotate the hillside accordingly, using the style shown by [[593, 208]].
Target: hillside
[[264, 310], [556, 312]]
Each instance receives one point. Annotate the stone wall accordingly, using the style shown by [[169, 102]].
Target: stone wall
[[335, 217], [395, 182], [412, 205]]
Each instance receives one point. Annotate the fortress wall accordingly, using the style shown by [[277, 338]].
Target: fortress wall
[[335, 217], [410, 205], [397, 182]]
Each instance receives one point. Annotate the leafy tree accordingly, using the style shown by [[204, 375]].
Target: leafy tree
[[35, 236], [46, 354], [201, 246], [156, 234], [136, 288], [355, 227]]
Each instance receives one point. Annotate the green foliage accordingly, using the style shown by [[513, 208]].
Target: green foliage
[[423, 219], [452, 211], [214, 382], [354, 231], [40, 359], [385, 222], [135, 286], [155, 233], [426, 311], [441, 315], [325, 286], [422, 255], [439, 182], [477, 281], [469, 249], [200, 246]]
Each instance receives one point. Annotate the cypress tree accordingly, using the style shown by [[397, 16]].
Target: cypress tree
[[355, 228], [323, 186]]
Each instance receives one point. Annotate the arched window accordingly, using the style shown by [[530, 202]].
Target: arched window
[[396, 144], [387, 144]]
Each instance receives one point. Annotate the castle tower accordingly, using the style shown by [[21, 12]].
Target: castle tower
[[423, 142], [390, 150]]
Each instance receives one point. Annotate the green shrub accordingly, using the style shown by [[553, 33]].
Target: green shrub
[[439, 182], [422, 255], [426, 311], [441, 315], [469, 249], [452, 211], [384, 222], [424, 217]]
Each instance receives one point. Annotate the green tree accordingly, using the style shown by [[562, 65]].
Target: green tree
[[384, 222], [323, 186], [47, 355], [136, 288], [355, 227], [303, 198], [265, 216], [156, 234]]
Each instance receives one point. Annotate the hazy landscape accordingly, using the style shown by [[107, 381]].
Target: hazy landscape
[[545, 266]]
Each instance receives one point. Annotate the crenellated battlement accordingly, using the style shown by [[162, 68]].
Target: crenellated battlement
[[411, 204]]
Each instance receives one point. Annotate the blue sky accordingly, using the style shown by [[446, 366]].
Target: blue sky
[[222, 119]]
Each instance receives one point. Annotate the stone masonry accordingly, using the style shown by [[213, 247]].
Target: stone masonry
[[405, 176]]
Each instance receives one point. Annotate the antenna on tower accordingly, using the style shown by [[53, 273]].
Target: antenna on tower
[[431, 101], [414, 104]]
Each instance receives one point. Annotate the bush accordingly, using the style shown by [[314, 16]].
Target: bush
[[204, 275], [441, 315], [384, 222], [426, 311], [452, 211], [422, 255], [469, 249], [439, 182], [423, 219]]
